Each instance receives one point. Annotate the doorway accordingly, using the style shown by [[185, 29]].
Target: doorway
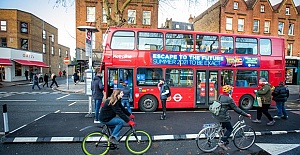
[[207, 89]]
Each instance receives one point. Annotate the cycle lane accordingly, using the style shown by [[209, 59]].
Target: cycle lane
[[65, 127]]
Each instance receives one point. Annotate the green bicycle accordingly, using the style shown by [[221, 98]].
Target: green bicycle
[[97, 142]]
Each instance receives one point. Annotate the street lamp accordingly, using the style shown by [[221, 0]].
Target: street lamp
[[50, 37], [88, 73]]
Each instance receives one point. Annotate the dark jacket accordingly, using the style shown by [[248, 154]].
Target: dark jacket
[[227, 104], [280, 94], [126, 92], [46, 77], [97, 88], [35, 79], [162, 90], [109, 112], [54, 78], [265, 93]]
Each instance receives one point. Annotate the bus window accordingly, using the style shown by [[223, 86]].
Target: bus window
[[150, 41], [148, 76], [123, 40], [246, 78], [265, 47], [227, 77], [180, 77], [246, 45], [227, 45], [207, 43], [179, 42], [264, 74]]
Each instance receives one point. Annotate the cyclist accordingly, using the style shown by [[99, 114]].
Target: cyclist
[[108, 115], [223, 117]]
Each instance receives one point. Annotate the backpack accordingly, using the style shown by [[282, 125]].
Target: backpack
[[215, 107], [169, 94]]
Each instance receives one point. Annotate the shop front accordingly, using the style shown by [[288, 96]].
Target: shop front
[[292, 72], [14, 63]]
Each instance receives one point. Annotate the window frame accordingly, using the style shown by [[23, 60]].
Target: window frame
[[291, 29], [155, 75], [90, 14], [229, 24], [59, 52], [241, 24], [3, 24], [287, 11], [44, 48], [52, 50], [255, 25], [24, 42], [282, 28], [235, 5], [24, 27], [188, 73], [289, 51], [118, 37], [268, 28], [262, 8], [157, 36], [131, 16], [146, 18]]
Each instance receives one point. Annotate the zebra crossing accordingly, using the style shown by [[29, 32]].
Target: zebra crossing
[[7, 94]]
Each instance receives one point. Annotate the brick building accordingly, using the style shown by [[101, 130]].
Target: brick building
[[24, 32], [138, 13], [257, 17]]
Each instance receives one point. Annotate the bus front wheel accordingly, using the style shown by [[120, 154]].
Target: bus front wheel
[[148, 103], [246, 102]]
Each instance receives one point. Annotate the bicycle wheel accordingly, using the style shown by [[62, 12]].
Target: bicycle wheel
[[95, 143], [138, 142], [208, 139], [244, 137]]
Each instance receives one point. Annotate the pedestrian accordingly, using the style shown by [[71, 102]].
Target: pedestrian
[[26, 74], [30, 76], [97, 91], [75, 77], [46, 77], [280, 96], [108, 115], [127, 97], [64, 73], [60, 73], [223, 117], [35, 81], [264, 93], [164, 90], [53, 77]]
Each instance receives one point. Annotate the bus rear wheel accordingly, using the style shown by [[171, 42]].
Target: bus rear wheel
[[148, 103], [246, 102]]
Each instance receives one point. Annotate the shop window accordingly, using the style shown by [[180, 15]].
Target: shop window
[[18, 69], [148, 76], [246, 78], [179, 77]]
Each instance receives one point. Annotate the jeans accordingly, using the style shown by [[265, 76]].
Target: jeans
[[163, 103], [97, 108], [37, 84], [280, 109], [118, 123], [125, 103], [229, 129]]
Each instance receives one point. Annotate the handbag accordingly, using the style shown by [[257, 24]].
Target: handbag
[[257, 102]]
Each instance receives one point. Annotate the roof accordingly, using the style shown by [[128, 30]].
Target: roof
[[298, 9], [275, 7], [250, 3]]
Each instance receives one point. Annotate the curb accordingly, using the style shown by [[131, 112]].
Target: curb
[[5, 139], [68, 91]]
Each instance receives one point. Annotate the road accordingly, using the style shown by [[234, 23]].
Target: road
[[26, 105]]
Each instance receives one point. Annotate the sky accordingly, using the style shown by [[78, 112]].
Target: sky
[[63, 18]]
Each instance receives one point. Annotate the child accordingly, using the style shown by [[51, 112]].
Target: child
[[223, 116]]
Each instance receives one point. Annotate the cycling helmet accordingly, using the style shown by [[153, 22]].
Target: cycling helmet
[[226, 88]]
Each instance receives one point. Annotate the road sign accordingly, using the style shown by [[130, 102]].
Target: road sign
[[66, 61]]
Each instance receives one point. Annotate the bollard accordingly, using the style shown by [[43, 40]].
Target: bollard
[[5, 119]]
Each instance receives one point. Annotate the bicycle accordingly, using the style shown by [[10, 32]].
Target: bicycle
[[97, 142], [243, 136]]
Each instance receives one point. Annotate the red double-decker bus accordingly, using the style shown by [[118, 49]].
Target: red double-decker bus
[[195, 64]]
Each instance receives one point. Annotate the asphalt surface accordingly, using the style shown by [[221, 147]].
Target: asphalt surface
[[65, 127]]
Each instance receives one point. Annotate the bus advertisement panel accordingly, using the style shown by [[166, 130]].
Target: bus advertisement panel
[[195, 65]]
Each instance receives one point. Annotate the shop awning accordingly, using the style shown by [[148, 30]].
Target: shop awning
[[31, 63], [5, 62]]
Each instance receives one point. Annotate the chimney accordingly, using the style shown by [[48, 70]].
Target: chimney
[[191, 19]]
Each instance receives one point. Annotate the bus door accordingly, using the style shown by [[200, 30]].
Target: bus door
[[116, 77], [207, 87]]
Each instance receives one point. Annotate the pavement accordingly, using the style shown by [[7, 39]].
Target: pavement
[[65, 127]]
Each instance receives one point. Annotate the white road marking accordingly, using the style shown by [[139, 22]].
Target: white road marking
[[57, 111], [25, 139], [276, 149], [62, 97], [78, 100], [72, 103]]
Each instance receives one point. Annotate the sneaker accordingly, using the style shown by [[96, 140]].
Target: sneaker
[[222, 145], [96, 121], [113, 140], [163, 117], [271, 123], [276, 117], [284, 117], [256, 121]]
